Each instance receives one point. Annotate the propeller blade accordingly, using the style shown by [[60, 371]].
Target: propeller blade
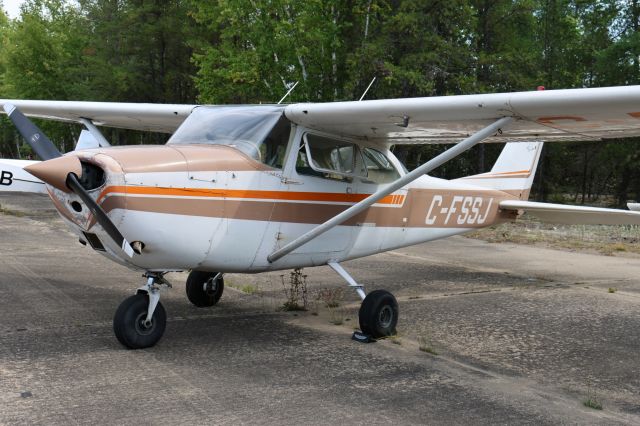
[[74, 184], [39, 142]]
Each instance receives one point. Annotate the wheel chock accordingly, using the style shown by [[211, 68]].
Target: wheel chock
[[359, 336]]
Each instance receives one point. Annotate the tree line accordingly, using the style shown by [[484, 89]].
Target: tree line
[[253, 51]]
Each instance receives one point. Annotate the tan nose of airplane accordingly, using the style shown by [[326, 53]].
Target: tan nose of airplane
[[55, 171]]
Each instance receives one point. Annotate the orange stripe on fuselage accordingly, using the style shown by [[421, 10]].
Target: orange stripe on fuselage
[[519, 173], [248, 194]]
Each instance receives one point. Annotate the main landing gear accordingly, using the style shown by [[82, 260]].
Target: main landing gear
[[379, 311], [204, 288]]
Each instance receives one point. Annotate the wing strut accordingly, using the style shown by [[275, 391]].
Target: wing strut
[[97, 134], [404, 180]]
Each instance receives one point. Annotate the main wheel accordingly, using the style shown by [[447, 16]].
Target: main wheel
[[378, 314], [129, 322], [203, 290]]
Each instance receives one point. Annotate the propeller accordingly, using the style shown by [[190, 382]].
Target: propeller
[[50, 170], [39, 142]]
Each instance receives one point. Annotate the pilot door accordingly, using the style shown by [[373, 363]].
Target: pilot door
[[320, 182]]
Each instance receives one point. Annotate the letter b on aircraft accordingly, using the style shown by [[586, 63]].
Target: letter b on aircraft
[[6, 178]]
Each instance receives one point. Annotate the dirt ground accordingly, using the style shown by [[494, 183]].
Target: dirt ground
[[490, 333]]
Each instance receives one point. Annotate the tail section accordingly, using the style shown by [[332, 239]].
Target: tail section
[[14, 178], [514, 170]]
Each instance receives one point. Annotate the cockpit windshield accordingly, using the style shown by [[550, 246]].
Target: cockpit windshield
[[261, 132]]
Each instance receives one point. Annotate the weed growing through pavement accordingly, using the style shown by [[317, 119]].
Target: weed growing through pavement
[[9, 212], [395, 340], [249, 289], [592, 399], [296, 291], [331, 297], [612, 289], [337, 315], [425, 344]]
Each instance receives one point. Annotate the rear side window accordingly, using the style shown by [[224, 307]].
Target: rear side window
[[379, 168]]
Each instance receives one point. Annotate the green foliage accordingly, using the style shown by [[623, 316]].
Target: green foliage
[[251, 51]]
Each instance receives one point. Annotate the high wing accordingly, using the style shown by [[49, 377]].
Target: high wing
[[573, 215], [551, 115], [162, 118]]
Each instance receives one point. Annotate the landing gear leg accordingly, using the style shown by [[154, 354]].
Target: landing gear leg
[[140, 320], [379, 311]]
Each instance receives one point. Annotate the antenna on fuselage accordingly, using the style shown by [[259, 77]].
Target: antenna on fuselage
[[287, 94], [367, 89]]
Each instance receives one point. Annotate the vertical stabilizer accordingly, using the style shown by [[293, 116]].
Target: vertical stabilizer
[[514, 170]]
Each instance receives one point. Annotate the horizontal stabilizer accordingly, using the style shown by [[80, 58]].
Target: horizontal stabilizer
[[14, 178], [573, 215]]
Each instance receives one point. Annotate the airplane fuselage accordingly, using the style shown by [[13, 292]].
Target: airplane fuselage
[[214, 208]]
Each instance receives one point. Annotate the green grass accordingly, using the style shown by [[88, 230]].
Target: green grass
[[608, 240], [425, 345], [591, 402], [249, 289], [9, 212], [291, 307]]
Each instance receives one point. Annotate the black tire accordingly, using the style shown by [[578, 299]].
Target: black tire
[[378, 314], [196, 292], [128, 322]]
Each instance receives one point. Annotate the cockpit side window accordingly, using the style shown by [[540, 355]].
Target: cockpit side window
[[329, 158], [274, 146]]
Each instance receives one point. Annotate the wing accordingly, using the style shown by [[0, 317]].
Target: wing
[[162, 118], [552, 115], [573, 215]]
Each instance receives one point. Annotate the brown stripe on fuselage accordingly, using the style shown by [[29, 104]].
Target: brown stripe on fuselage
[[553, 118], [522, 194], [219, 158], [412, 214], [181, 158]]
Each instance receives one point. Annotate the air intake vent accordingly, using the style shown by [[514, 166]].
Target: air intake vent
[[94, 241], [92, 176]]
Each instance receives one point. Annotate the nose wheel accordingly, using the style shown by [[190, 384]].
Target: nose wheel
[[140, 320], [131, 326]]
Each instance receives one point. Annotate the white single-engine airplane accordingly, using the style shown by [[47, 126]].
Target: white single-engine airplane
[[261, 188]]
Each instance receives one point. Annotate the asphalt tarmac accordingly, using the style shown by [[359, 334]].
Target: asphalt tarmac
[[521, 335]]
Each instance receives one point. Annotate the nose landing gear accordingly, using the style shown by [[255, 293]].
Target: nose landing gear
[[140, 320]]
